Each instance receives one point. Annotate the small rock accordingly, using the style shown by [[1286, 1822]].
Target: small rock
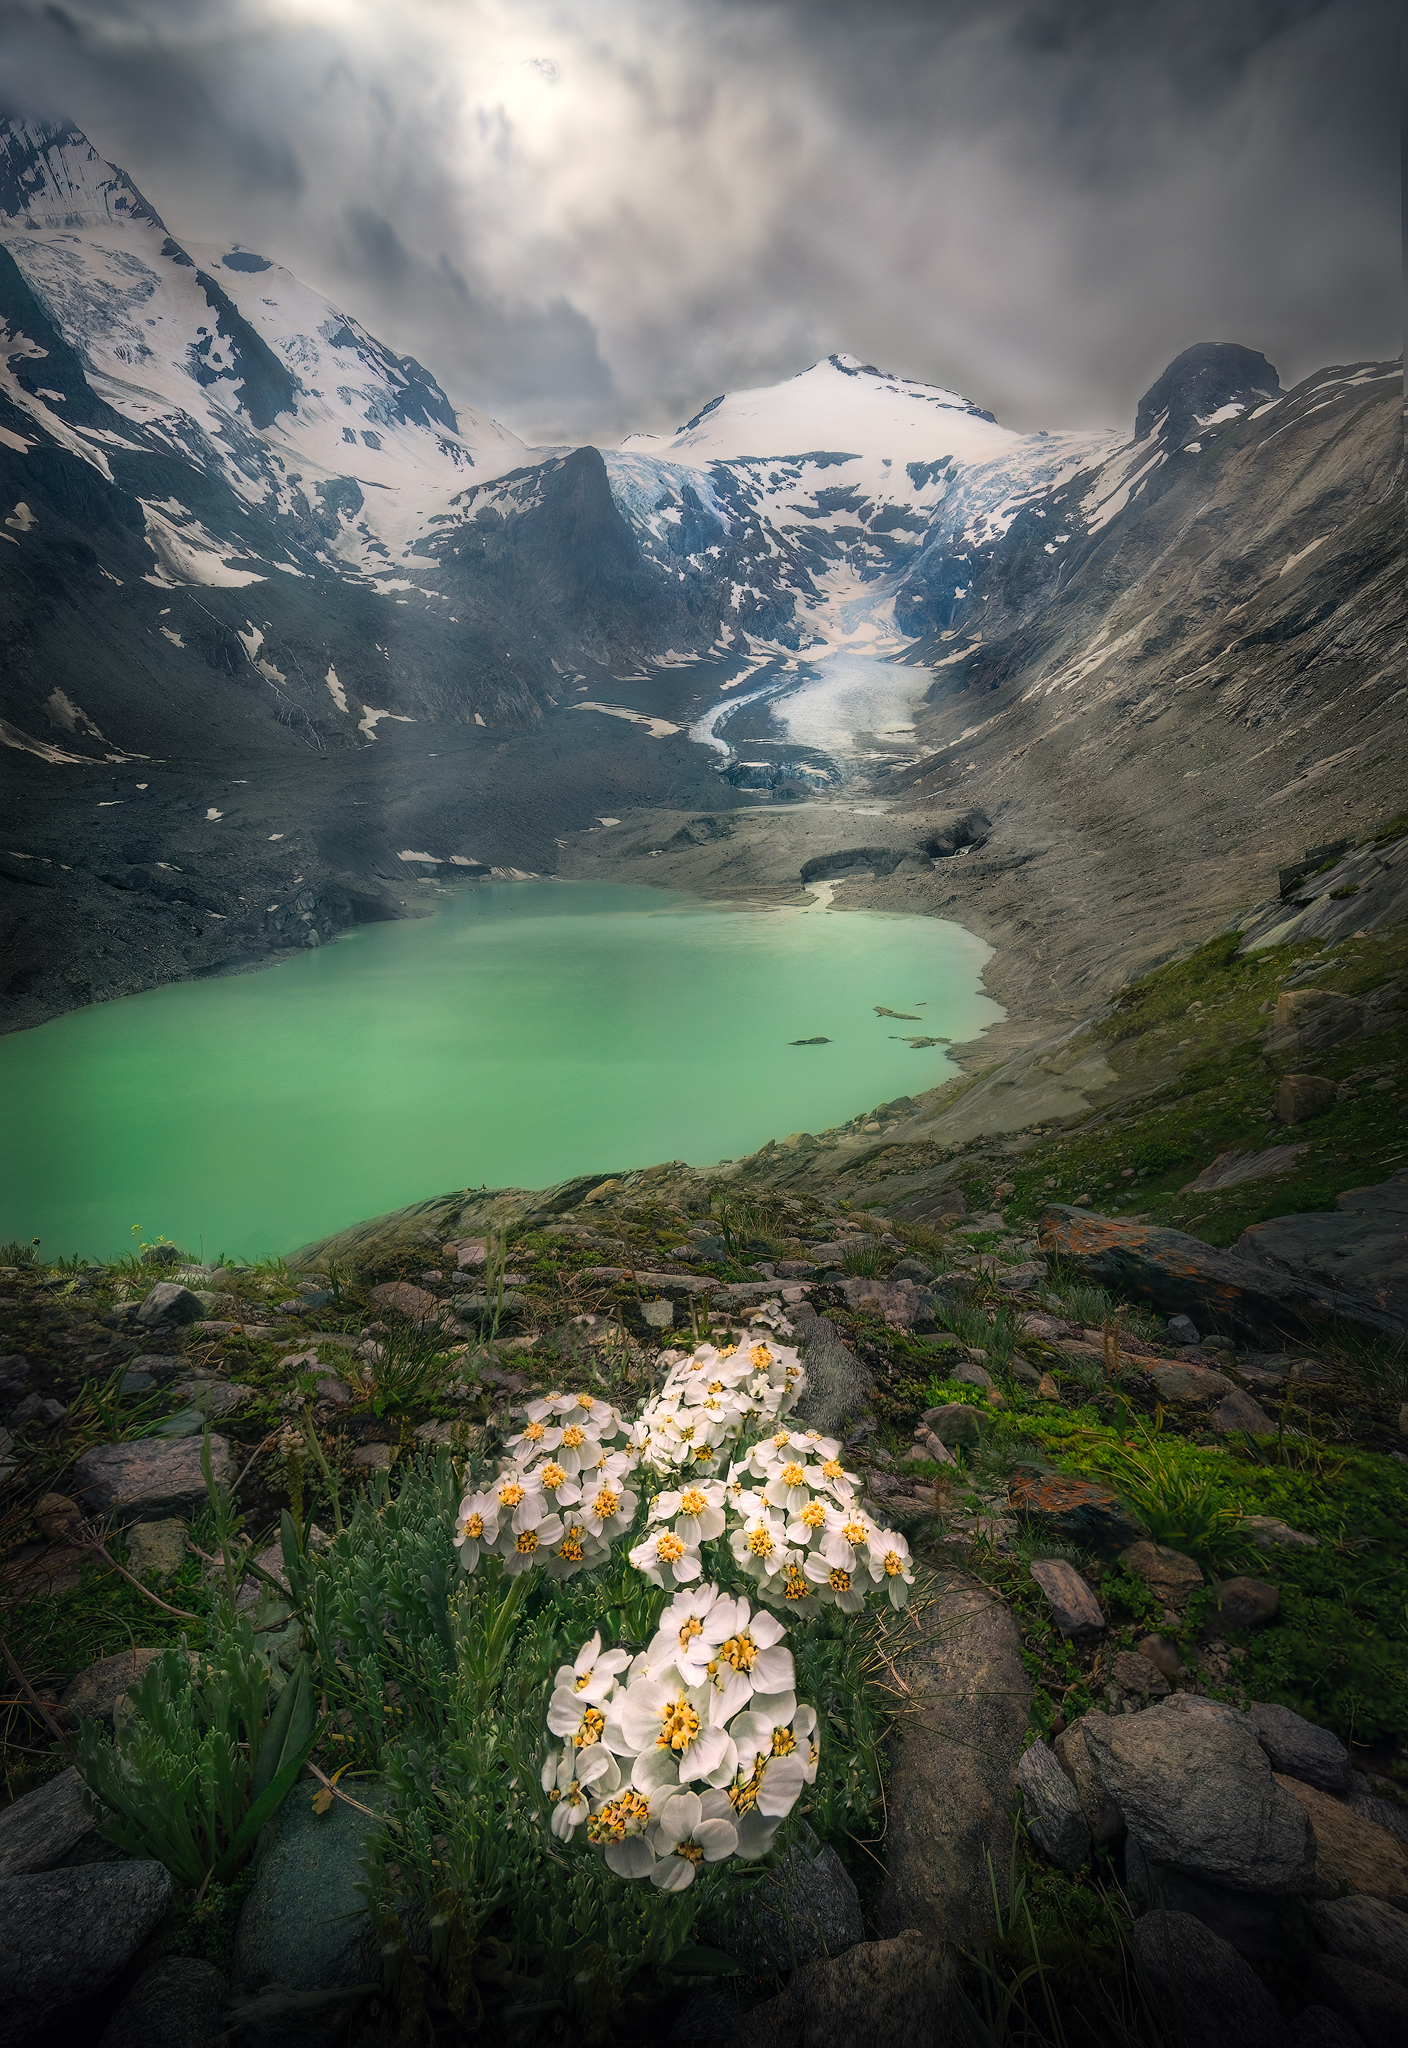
[[1098, 1810], [40, 1830], [803, 1269], [169, 1302], [1299, 1097], [147, 1479], [1218, 1999], [156, 1549], [336, 1391], [14, 1376], [212, 1397], [1162, 1654], [659, 1315], [804, 1908], [57, 1516], [137, 1382], [69, 1932], [1266, 1533], [160, 1366], [37, 1408], [1197, 1792], [1047, 1388], [1183, 1330], [1350, 1852], [970, 1375], [1074, 1608], [1134, 1672], [1054, 1818], [1174, 1577], [373, 1457], [1016, 1279], [405, 1300], [1246, 1603], [954, 1422], [1078, 1508], [1364, 1930], [468, 1251], [1374, 2005], [1025, 1375], [1193, 1385], [894, 1991], [1300, 1749], [1240, 1411], [93, 1694], [177, 2003]]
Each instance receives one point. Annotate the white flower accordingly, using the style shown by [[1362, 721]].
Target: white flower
[[476, 1527], [572, 1781], [668, 1715], [887, 1555], [684, 1621], [737, 1654], [691, 1831], [528, 1547], [618, 1825], [696, 1510], [593, 1671], [835, 1583], [848, 1529], [581, 1721], [775, 1727], [666, 1560]]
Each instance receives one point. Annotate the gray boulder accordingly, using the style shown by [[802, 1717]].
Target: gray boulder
[[897, 1992], [304, 1927], [1299, 1749], [1054, 1818], [1217, 1998], [40, 1830], [954, 1422], [1365, 1931], [1373, 2004], [1196, 1791], [1098, 1810], [804, 1908], [956, 1750], [837, 1383], [92, 1695], [1360, 1247], [67, 1933], [148, 1479], [1318, 2027], [169, 1302], [177, 2003]]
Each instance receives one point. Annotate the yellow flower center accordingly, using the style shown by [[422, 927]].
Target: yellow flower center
[[783, 1742], [894, 1563], [585, 1403], [840, 1581], [728, 1351], [794, 1474], [593, 1722], [692, 1502], [797, 1586], [552, 1476], [691, 1852], [535, 1431], [679, 1724], [831, 1469], [743, 1792], [853, 1531], [813, 1515], [740, 1651], [572, 1436], [668, 1548], [716, 1386], [705, 1455], [760, 1542], [511, 1494], [690, 1627], [782, 1439], [527, 1543], [474, 1526], [571, 1546], [620, 1817], [606, 1504], [760, 1357]]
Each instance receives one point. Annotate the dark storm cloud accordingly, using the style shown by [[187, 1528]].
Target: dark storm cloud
[[594, 214]]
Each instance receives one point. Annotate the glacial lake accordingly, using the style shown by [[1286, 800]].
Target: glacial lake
[[528, 1032]]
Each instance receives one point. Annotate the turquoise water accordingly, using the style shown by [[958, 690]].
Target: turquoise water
[[529, 1032]]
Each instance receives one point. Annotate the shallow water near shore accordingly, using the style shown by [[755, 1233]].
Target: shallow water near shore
[[529, 1032]]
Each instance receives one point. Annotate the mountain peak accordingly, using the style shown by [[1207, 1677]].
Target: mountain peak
[[1210, 381], [52, 177]]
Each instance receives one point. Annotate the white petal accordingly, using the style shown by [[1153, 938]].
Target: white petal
[[631, 1858], [717, 1838], [674, 1874], [773, 1670]]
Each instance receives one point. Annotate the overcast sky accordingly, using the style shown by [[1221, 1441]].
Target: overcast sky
[[592, 215]]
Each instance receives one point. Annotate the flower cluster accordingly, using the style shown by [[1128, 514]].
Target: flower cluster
[[694, 1751], [800, 1532], [561, 1496]]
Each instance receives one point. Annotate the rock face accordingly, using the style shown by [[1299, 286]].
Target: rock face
[[804, 1909], [1374, 2005], [1178, 1274], [1365, 1931], [1174, 1577], [952, 1795], [1300, 1749], [38, 1831], [1197, 1792], [67, 1933], [1078, 1508], [954, 1422], [1098, 1809], [93, 1694], [1053, 1812], [1218, 2000], [837, 1383], [1299, 1097], [896, 1992], [1360, 1247], [1350, 1851], [177, 2003], [138, 1481]]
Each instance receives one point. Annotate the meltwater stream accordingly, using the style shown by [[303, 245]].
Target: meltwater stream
[[529, 1032]]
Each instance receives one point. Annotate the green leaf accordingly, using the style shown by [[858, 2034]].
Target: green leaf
[[269, 1802], [287, 1729]]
